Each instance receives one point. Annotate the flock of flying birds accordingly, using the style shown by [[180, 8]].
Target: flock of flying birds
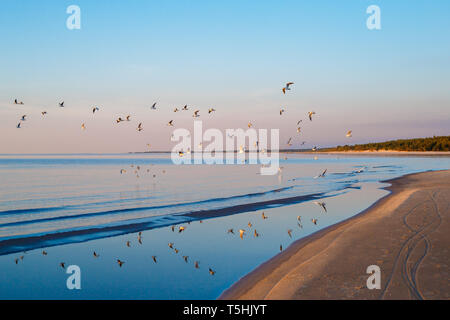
[[196, 114]]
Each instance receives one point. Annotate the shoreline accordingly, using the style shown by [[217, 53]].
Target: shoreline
[[397, 233]]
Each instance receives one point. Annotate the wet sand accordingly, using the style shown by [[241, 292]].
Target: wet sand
[[407, 234]]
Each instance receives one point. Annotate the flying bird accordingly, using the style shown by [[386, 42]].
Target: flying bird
[[139, 128], [181, 229], [314, 221], [322, 205], [263, 216], [290, 233], [185, 107], [349, 134], [120, 262], [44, 253], [44, 113], [83, 126], [230, 231], [61, 104], [196, 115], [210, 110], [94, 109], [287, 87], [185, 258], [256, 234], [310, 114], [175, 110], [96, 255], [18, 126], [154, 259], [63, 265], [211, 271], [196, 264], [170, 124], [322, 175], [241, 233], [153, 107], [281, 111], [128, 118], [24, 118]]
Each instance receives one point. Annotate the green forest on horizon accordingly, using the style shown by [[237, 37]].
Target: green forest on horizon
[[441, 143]]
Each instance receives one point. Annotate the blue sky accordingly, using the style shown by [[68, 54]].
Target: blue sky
[[233, 55]]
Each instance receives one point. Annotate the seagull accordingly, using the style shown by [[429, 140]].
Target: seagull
[[120, 262], [290, 233], [263, 216], [119, 120], [322, 205], [299, 121], [128, 244], [175, 110], [24, 117], [299, 218], [299, 129], [315, 148], [94, 109], [44, 113], [128, 118], [196, 115], [310, 114], [154, 259], [287, 87], [17, 102], [44, 253], [349, 134], [96, 254], [153, 107], [176, 250], [185, 107], [249, 224], [181, 229], [322, 175], [171, 245], [281, 111], [170, 124], [63, 265], [139, 128], [61, 104], [83, 127], [256, 234], [211, 110], [180, 153], [249, 125], [196, 265], [122, 171], [314, 221], [241, 233], [185, 259], [16, 260], [18, 126], [230, 231], [281, 247], [211, 271], [289, 143]]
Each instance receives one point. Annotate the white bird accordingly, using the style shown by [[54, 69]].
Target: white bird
[[322, 205], [321, 175], [287, 87], [289, 143]]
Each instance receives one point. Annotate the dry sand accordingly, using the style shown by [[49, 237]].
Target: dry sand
[[407, 234]]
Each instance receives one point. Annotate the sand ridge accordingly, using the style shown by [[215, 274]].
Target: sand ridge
[[406, 234]]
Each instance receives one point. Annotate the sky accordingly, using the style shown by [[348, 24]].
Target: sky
[[234, 56]]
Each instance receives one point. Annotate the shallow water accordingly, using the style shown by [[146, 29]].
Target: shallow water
[[70, 206]]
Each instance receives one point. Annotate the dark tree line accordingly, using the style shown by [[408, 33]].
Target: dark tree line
[[419, 144]]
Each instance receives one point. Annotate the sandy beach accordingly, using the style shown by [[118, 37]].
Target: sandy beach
[[405, 234]]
